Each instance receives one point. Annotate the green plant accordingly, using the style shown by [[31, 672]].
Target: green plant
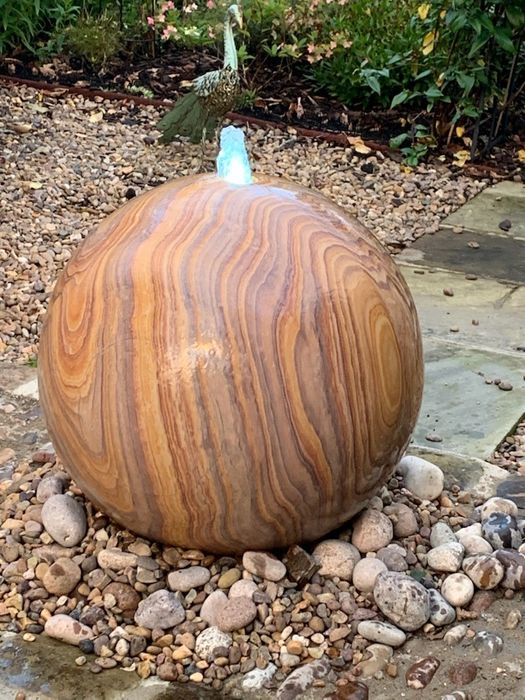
[[95, 39], [24, 22]]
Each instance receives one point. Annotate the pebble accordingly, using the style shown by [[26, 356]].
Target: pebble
[[402, 600], [126, 597], [243, 589], [463, 673], [62, 576], [403, 519], [496, 504], [514, 565], [446, 557], [475, 544], [186, 579], [64, 519], [336, 558], [441, 612], [424, 479], [255, 679], [115, 559], [301, 679], [353, 690], [487, 643], [238, 612], [442, 534], [457, 695], [394, 557], [68, 630], [513, 619], [229, 578], [212, 606], [50, 486], [371, 531], [264, 565], [484, 570], [209, 640], [454, 635], [381, 632], [502, 531], [160, 610], [421, 672], [366, 572], [457, 589]]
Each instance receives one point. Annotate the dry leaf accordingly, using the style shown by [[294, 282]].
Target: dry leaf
[[423, 10], [521, 154], [299, 110], [461, 157], [38, 108], [22, 128], [429, 41], [359, 145], [96, 117], [35, 185], [460, 130]]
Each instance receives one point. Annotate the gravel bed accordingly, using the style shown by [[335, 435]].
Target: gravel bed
[[67, 162], [402, 598]]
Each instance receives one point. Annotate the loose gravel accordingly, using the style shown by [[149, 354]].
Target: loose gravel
[[68, 161]]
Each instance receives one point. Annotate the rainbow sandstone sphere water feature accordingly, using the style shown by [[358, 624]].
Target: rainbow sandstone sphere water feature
[[230, 367]]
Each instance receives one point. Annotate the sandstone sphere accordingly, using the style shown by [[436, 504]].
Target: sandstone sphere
[[230, 367]]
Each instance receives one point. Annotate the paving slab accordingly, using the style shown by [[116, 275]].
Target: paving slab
[[487, 210], [482, 312], [496, 256], [470, 416]]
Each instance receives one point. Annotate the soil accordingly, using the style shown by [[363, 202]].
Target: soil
[[284, 97]]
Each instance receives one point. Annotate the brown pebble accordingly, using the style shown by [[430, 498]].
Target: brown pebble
[[454, 329], [433, 437], [475, 322], [353, 690], [482, 601], [505, 386], [421, 672], [463, 674], [473, 244], [470, 276], [448, 292]]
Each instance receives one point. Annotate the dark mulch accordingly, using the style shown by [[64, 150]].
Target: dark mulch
[[282, 95]]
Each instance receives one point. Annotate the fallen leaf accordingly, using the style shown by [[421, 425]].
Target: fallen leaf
[[96, 117], [423, 10], [38, 108], [521, 154], [22, 128], [299, 110], [35, 185], [461, 157], [359, 145], [460, 130]]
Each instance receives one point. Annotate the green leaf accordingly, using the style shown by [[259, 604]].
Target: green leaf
[[373, 83], [465, 81], [399, 98], [516, 16], [478, 44], [503, 39], [398, 141], [433, 93]]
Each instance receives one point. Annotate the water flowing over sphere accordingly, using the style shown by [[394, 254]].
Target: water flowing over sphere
[[230, 367]]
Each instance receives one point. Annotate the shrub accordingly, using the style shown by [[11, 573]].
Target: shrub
[[24, 21], [94, 39]]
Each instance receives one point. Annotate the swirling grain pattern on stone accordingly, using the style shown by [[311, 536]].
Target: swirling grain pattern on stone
[[230, 367]]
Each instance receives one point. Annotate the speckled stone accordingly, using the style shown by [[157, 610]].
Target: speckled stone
[[210, 639], [421, 672], [457, 589], [301, 679], [446, 557], [371, 531], [394, 557], [441, 612], [475, 544], [484, 570], [264, 565], [424, 479], [463, 673], [454, 635], [64, 519], [497, 505], [514, 565], [502, 531], [441, 534], [404, 601], [238, 612], [212, 606], [161, 610], [337, 558], [487, 643]]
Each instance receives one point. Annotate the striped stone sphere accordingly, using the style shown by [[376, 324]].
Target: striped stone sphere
[[230, 367]]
